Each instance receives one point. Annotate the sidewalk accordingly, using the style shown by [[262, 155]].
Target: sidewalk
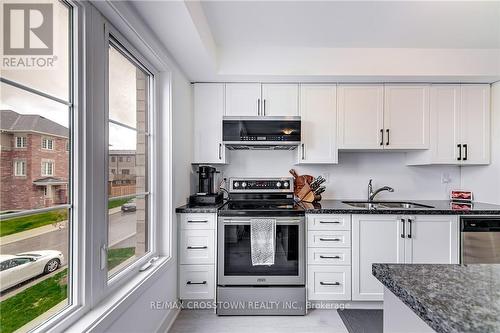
[[41, 230]]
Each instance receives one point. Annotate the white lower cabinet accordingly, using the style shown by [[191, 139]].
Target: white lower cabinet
[[329, 257], [329, 282], [197, 282], [398, 239], [197, 249]]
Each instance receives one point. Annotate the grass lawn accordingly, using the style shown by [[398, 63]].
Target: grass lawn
[[117, 256], [23, 223], [113, 203], [22, 308]]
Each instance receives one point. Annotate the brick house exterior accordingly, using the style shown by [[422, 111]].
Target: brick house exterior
[[34, 153]]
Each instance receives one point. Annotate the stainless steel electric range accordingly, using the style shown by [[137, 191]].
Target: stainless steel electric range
[[244, 289]]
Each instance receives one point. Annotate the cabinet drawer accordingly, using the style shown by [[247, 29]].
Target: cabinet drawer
[[197, 246], [328, 256], [340, 238], [196, 281], [326, 283], [197, 221], [329, 222]]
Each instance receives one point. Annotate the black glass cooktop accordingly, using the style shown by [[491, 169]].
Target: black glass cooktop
[[261, 208]]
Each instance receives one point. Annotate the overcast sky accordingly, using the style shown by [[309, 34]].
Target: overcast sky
[[122, 87]]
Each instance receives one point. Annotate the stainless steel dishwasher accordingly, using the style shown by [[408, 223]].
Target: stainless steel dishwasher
[[480, 240]]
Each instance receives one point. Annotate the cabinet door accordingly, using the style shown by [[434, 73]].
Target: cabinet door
[[280, 99], [432, 239], [375, 239], [208, 111], [361, 116], [243, 99], [406, 117], [475, 124], [319, 123], [444, 124]]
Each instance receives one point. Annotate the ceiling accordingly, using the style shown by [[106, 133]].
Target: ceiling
[[355, 24], [329, 40]]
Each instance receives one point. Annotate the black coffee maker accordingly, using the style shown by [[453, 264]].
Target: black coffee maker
[[208, 192]]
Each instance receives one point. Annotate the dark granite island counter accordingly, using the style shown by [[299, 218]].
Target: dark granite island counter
[[444, 298]]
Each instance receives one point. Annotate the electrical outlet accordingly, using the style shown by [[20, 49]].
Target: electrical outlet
[[326, 175], [445, 178]]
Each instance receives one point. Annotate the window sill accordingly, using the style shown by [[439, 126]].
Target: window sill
[[107, 311]]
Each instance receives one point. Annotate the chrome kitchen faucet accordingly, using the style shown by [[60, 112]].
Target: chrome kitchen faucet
[[371, 194]]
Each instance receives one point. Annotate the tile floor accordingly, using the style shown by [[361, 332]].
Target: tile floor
[[203, 321]]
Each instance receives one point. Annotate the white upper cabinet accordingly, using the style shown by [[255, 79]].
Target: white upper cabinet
[[254, 99], [208, 112], [475, 124], [319, 124], [280, 99], [360, 116], [243, 99], [406, 116], [432, 239], [459, 127]]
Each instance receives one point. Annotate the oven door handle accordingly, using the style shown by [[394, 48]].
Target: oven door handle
[[329, 283]]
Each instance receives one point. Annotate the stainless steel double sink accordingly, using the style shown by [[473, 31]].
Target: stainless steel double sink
[[386, 204]]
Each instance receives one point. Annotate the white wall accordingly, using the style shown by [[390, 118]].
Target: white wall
[[485, 180], [350, 177]]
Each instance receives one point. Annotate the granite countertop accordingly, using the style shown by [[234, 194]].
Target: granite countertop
[[440, 207], [449, 298], [200, 209]]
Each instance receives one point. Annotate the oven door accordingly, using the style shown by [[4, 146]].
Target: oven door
[[234, 254]]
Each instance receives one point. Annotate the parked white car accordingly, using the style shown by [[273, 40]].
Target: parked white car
[[18, 268]]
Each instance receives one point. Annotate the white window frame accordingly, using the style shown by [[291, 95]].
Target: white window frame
[[113, 37], [44, 169], [45, 143], [16, 170], [24, 141]]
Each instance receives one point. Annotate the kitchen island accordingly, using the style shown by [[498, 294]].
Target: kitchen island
[[440, 298]]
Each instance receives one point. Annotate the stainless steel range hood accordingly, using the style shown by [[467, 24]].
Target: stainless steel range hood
[[261, 133]]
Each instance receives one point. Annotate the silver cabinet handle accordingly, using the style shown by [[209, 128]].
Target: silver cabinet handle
[[329, 257], [220, 151], [403, 232], [197, 247], [330, 239], [330, 222], [197, 221], [258, 106], [303, 152], [189, 282], [264, 108], [329, 283]]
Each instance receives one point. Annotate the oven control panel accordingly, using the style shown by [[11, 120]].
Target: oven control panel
[[261, 185]]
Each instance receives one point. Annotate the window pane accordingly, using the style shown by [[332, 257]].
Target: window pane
[[127, 231], [127, 162], [35, 247], [53, 80]]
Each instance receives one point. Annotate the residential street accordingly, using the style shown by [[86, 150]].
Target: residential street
[[123, 226]]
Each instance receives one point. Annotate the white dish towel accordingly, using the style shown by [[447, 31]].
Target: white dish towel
[[262, 241]]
